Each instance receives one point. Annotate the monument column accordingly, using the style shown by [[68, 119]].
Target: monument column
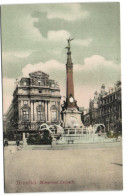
[[71, 103], [70, 113]]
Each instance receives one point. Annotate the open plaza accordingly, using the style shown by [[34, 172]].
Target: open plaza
[[81, 167], [50, 149]]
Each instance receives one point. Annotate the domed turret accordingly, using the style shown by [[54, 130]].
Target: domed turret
[[103, 92]]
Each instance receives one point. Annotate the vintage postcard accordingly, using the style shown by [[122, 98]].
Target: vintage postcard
[[62, 114]]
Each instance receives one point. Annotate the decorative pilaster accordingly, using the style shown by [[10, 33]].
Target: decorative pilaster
[[35, 112], [19, 110], [49, 111], [46, 111]]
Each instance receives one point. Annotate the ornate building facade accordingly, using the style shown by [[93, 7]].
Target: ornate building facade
[[36, 100], [105, 108]]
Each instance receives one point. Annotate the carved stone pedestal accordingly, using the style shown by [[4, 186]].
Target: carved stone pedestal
[[72, 118]]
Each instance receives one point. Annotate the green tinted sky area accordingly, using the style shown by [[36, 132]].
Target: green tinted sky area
[[37, 33]]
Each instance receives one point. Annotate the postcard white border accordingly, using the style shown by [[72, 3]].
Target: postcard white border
[[123, 60]]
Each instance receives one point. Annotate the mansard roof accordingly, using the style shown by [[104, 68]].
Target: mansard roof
[[38, 74]]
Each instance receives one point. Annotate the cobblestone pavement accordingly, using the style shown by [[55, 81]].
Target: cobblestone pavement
[[92, 167]]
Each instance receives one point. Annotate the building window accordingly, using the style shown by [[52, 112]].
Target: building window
[[25, 102], [40, 103], [25, 114], [40, 83], [40, 115], [54, 116], [52, 85], [40, 91], [53, 103]]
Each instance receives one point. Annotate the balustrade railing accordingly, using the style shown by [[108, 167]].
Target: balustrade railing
[[77, 131]]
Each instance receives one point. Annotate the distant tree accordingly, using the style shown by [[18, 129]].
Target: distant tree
[[118, 83]]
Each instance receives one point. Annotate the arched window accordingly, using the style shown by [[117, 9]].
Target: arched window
[[54, 115], [40, 116], [25, 115], [53, 112], [40, 113]]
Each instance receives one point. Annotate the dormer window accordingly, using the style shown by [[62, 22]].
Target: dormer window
[[40, 83]]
